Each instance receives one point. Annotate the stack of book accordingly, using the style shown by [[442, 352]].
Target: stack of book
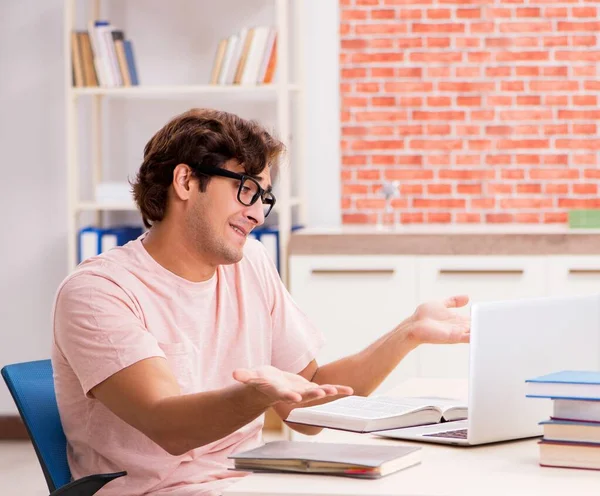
[[102, 56], [247, 58], [572, 434]]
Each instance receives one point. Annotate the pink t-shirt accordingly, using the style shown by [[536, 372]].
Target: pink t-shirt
[[122, 307]]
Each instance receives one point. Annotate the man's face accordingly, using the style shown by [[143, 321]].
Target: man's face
[[218, 222]]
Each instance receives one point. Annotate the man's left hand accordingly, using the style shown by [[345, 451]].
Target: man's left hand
[[435, 322]]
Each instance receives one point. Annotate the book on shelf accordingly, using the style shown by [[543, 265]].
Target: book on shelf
[[378, 413], [246, 58], [351, 460], [566, 384], [102, 56], [96, 240]]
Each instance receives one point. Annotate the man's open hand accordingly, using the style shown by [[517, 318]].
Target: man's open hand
[[279, 386], [435, 322]]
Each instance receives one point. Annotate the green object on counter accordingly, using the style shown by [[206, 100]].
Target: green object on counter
[[588, 218]]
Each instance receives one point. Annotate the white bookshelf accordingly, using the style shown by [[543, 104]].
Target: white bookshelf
[[283, 93]]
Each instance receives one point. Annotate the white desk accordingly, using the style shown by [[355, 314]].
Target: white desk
[[503, 469]]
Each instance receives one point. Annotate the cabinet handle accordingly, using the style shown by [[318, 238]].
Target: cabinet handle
[[584, 271], [481, 271], [353, 271]]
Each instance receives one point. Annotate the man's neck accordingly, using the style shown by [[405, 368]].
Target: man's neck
[[169, 249]]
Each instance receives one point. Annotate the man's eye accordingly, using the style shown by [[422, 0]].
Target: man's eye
[[245, 189]]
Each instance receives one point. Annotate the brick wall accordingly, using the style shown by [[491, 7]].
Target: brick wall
[[483, 111]]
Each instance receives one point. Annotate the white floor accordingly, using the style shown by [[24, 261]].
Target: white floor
[[20, 473]]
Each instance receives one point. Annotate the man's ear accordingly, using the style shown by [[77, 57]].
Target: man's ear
[[182, 180]]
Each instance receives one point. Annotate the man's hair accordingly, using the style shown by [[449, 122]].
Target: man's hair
[[200, 137]]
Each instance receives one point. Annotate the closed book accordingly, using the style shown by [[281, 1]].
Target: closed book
[[571, 431], [77, 60], [218, 62], [567, 384], [585, 410], [89, 69], [133, 73], [379, 413], [569, 455], [353, 460]]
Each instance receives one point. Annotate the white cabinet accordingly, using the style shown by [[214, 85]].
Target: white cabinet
[[482, 278], [354, 300], [573, 275]]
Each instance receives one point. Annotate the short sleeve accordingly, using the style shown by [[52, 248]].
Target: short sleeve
[[98, 330], [296, 341]]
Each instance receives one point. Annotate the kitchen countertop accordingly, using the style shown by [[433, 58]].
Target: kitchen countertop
[[446, 240]]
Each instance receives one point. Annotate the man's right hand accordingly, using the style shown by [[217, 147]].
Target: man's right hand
[[279, 386]]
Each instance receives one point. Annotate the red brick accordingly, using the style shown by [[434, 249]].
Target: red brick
[[438, 129], [467, 218], [409, 42], [414, 130], [383, 101], [354, 160], [381, 116], [555, 41], [513, 174], [526, 159], [555, 71], [483, 203], [469, 189], [383, 130], [479, 145], [418, 27], [367, 87], [516, 144], [436, 144], [467, 42], [467, 174], [579, 203], [468, 72], [411, 189], [526, 203], [438, 72], [585, 12], [528, 12], [556, 12], [585, 189], [578, 144], [443, 203], [499, 189], [495, 12], [468, 130], [585, 129], [409, 101], [585, 41], [383, 159], [359, 218], [529, 189], [528, 71], [482, 115], [438, 160], [499, 218], [439, 13], [378, 145], [499, 42], [556, 189], [354, 131], [556, 217], [437, 42], [353, 15], [354, 73], [498, 159], [370, 204], [555, 160], [583, 56], [354, 102], [362, 58], [465, 86], [409, 72], [409, 159], [368, 174], [346, 203], [529, 100], [468, 160], [585, 100], [381, 72], [439, 217], [439, 101], [592, 174], [468, 13], [527, 218], [419, 115], [482, 27], [556, 100], [579, 26], [585, 159], [439, 189], [381, 44], [416, 174], [354, 189], [522, 56], [512, 85], [411, 218], [553, 85], [552, 129], [436, 57], [383, 14], [550, 174], [354, 44], [500, 100], [405, 87], [468, 101], [409, 14]]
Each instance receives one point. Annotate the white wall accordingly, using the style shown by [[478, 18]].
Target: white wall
[[32, 140]]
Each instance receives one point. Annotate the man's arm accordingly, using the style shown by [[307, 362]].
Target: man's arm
[[432, 322], [147, 396]]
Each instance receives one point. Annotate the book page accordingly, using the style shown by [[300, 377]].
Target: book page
[[454, 407], [369, 408]]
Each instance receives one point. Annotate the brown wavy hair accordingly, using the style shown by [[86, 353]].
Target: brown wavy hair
[[200, 136]]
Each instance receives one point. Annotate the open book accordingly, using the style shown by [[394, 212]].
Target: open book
[[353, 460], [369, 414]]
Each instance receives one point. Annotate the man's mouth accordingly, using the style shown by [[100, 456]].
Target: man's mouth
[[239, 230]]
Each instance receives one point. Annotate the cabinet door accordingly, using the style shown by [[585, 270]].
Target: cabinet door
[[354, 300], [482, 278], [573, 275]]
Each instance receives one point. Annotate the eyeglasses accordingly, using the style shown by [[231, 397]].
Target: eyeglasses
[[249, 191]]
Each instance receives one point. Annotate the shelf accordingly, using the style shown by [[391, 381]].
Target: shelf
[[99, 206], [174, 91]]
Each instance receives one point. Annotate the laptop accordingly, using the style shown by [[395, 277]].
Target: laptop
[[512, 341]]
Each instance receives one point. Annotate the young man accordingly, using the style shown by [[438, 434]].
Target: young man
[[168, 350]]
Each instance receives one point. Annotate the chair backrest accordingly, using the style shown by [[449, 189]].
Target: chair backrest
[[32, 387]]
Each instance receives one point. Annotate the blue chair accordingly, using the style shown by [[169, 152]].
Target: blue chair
[[31, 385]]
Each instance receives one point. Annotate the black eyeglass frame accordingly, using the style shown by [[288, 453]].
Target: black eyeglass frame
[[242, 178]]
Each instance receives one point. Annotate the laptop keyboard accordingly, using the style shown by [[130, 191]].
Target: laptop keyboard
[[455, 434]]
